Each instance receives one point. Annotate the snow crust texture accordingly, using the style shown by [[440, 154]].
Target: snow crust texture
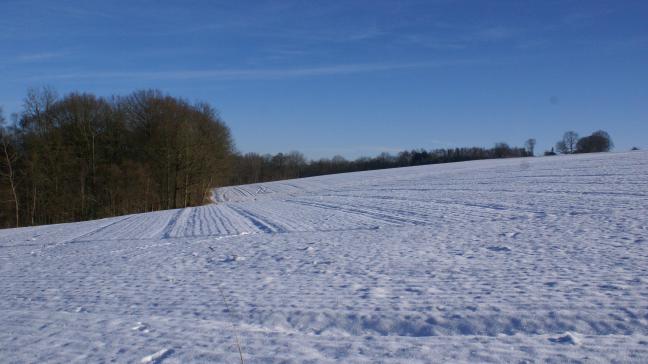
[[517, 260]]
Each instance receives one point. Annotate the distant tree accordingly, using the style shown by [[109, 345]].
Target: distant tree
[[529, 145], [295, 163], [404, 158], [568, 143], [607, 143], [599, 141], [502, 150], [339, 163], [420, 157], [571, 139], [252, 168]]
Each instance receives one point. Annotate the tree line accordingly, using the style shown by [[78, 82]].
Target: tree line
[[599, 141], [81, 157], [253, 167]]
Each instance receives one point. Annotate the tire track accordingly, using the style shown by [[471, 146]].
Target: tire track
[[96, 231], [261, 224], [366, 213], [166, 233]]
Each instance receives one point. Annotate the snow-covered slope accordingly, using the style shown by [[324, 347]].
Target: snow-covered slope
[[506, 261]]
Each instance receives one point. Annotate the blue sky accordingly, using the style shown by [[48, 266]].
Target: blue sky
[[350, 77]]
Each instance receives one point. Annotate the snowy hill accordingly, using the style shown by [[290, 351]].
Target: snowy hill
[[503, 260]]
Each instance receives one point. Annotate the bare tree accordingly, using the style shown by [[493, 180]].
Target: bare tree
[[35, 107], [10, 157], [529, 145], [568, 143]]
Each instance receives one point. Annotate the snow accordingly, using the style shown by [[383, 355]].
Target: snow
[[156, 357], [516, 260]]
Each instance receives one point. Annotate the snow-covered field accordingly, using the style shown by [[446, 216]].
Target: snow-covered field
[[519, 260]]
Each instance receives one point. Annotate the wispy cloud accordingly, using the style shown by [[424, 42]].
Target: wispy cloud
[[85, 13], [365, 34], [255, 73], [491, 34], [462, 38], [41, 56], [533, 44]]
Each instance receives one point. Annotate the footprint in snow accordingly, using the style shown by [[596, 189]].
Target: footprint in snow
[[231, 258], [610, 287], [157, 357], [140, 327], [499, 248], [321, 262], [415, 290], [568, 338]]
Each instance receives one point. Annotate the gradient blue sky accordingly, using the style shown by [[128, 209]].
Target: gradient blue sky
[[350, 77]]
